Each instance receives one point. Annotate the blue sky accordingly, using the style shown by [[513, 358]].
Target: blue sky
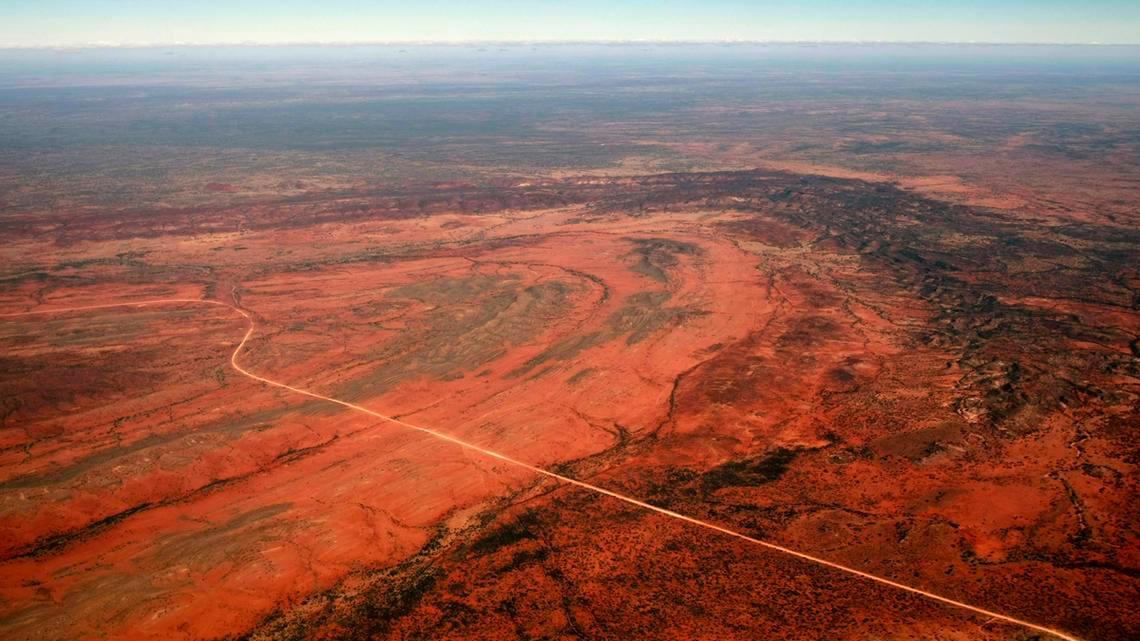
[[69, 22]]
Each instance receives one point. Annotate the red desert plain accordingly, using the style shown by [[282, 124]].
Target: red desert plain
[[672, 376]]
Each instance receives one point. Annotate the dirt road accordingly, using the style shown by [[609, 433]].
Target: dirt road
[[252, 326]]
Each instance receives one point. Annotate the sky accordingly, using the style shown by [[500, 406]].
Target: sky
[[37, 23]]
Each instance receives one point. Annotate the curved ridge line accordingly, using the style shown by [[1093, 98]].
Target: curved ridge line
[[554, 475]]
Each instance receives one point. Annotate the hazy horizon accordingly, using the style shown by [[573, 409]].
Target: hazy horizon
[[540, 63], [557, 43], [71, 23]]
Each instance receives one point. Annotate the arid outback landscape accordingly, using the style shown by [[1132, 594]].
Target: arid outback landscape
[[570, 343]]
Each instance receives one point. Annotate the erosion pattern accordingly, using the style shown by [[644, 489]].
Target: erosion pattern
[[944, 396]]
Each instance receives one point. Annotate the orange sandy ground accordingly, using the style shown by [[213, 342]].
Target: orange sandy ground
[[151, 492]]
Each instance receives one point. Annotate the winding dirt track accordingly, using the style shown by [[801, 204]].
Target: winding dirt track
[[547, 473]]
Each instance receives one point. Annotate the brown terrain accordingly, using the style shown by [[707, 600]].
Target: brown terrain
[[781, 400]]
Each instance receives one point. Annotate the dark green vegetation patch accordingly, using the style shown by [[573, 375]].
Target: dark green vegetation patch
[[749, 472]]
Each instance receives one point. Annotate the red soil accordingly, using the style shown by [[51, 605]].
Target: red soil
[[767, 364]]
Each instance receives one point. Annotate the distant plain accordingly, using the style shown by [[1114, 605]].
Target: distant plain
[[877, 304]]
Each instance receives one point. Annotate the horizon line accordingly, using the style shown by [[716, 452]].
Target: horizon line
[[540, 42]]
